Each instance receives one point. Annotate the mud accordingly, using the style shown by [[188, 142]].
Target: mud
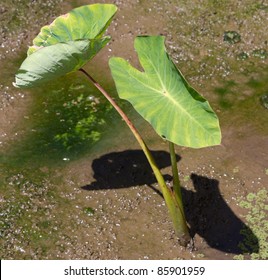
[[48, 185]]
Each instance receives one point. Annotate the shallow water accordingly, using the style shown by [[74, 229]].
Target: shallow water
[[54, 153]]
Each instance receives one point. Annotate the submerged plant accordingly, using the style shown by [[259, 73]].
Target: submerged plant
[[160, 94]]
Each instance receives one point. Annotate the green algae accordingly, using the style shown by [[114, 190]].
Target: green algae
[[236, 85], [256, 205]]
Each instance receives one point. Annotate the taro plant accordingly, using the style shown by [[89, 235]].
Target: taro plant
[[160, 94]]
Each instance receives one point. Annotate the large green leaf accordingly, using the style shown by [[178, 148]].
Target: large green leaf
[[65, 45], [163, 97], [85, 22], [57, 60]]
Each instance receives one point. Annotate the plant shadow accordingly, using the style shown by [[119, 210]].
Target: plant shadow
[[126, 169], [210, 217], [206, 211]]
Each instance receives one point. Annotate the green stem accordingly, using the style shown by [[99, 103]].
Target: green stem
[[135, 132], [177, 215], [176, 180]]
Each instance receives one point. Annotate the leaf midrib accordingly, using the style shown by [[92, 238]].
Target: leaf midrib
[[168, 95]]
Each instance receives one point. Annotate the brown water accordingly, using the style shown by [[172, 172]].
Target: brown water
[[83, 195]]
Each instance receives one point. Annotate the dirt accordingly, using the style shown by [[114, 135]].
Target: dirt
[[100, 200]]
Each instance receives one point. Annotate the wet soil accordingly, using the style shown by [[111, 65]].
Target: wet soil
[[93, 196]]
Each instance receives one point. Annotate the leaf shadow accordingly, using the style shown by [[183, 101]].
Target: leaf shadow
[[207, 213], [126, 169], [210, 217]]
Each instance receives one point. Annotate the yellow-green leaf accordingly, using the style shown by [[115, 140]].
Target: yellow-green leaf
[[163, 97], [85, 22], [65, 45], [55, 61]]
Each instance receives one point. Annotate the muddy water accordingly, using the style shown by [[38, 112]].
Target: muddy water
[[77, 186]]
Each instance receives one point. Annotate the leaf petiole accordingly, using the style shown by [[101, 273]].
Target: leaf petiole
[[172, 199]]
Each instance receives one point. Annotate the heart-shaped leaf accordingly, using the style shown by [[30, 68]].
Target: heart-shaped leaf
[[85, 22], [57, 60], [65, 45], [162, 96]]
